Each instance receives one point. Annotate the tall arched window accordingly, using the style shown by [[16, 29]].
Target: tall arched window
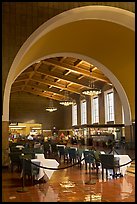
[[74, 114], [83, 112], [95, 109], [109, 105]]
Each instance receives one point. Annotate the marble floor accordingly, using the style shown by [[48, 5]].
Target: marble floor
[[70, 185]]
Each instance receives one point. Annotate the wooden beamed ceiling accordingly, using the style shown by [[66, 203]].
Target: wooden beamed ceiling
[[51, 77]]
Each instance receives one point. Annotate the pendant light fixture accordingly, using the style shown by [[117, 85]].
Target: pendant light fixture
[[67, 100], [51, 107], [92, 91]]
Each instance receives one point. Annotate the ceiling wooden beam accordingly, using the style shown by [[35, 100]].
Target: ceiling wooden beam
[[39, 92], [75, 69], [80, 77], [68, 72], [63, 58], [77, 62], [36, 66], [41, 89], [61, 76], [42, 94], [56, 84]]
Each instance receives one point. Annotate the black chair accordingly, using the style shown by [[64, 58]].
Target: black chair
[[89, 159], [72, 153], [117, 168], [46, 147], [38, 151], [11, 144], [15, 160], [79, 155], [30, 170], [107, 162], [29, 152], [15, 149], [54, 149], [62, 153], [96, 154]]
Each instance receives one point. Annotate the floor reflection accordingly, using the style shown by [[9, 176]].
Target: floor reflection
[[47, 194], [93, 198], [126, 189], [70, 185]]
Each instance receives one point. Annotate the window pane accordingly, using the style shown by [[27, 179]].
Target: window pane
[[83, 112], [95, 110], [109, 106], [74, 114]]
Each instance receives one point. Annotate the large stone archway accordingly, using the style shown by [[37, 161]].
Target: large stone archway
[[57, 26]]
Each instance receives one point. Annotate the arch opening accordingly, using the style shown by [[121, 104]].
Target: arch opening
[[85, 12]]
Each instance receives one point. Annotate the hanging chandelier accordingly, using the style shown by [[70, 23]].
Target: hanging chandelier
[[92, 91], [51, 107], [67, 100]]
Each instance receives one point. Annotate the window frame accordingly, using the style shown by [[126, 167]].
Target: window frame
[[107, 114], [83, 119], [74, 114], [95, 112]]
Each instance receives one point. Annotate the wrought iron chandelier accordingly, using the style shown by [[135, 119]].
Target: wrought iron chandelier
[[67, 100], [51, 107], [92, 91]]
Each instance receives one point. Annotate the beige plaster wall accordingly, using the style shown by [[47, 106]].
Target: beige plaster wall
[[109, 43]]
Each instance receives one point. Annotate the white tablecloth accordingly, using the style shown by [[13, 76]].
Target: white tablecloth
[[61, 146], [50, 163], [20, 147], [37, 145], [39, 156], [102, 152], [123, 159]]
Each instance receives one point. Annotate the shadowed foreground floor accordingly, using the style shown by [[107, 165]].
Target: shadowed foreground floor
[[69, 185]]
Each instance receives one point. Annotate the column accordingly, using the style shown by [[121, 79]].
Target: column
[[129, 137], [5, 143]]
